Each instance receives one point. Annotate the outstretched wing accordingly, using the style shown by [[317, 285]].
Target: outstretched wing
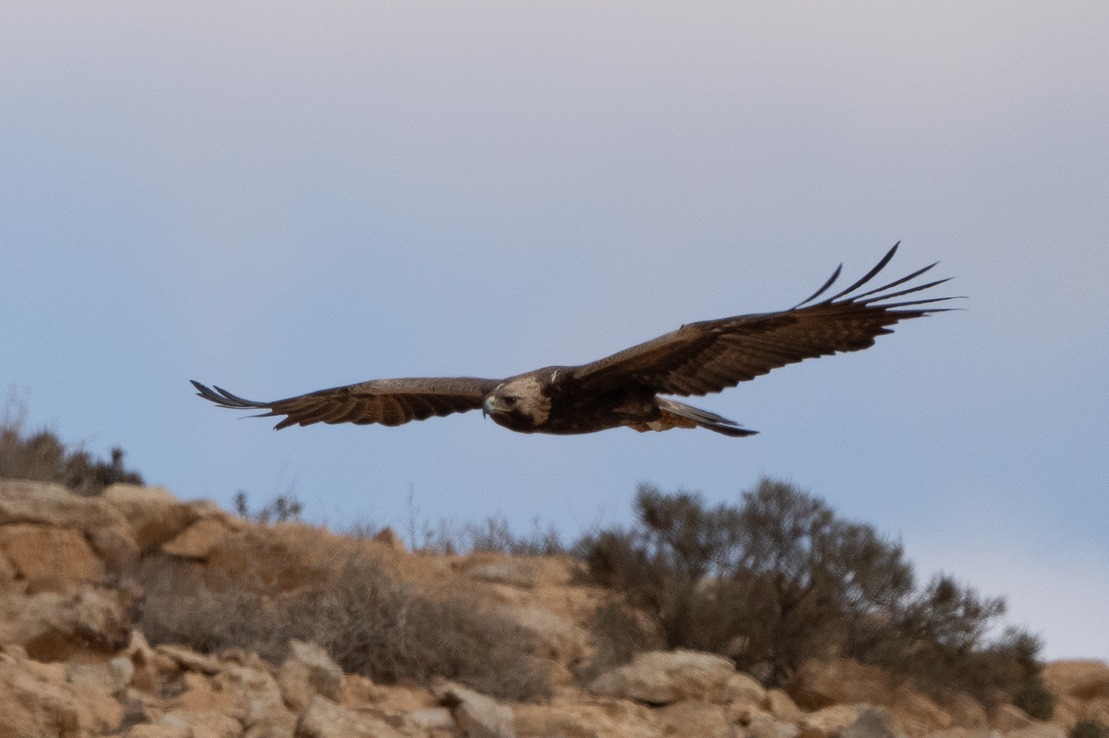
[[384, 401], [709, 356]]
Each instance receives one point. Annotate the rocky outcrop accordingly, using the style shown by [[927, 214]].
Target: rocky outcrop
[[664, 677], [74, 663]]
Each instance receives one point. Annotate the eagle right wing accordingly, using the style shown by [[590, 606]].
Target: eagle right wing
[[383, 401], [709, 356]]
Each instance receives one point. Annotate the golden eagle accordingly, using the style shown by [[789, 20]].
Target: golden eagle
[[624, 389]]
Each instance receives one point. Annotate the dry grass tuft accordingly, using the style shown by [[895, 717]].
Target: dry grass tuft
[[360, 612]]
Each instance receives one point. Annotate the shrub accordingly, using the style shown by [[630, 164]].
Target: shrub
[[43, 457], [284, 508], [1089, 729], [779, 579], [492, 535], [368, 620]]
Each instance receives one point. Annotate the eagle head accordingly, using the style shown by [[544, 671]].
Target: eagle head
[[518, 403]]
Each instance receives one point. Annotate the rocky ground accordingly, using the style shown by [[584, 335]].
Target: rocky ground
[[74, 660]]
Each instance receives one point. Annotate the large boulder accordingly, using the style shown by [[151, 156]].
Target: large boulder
[[1083, 680], [324, 719], [695, 719], [36, 700], [200, 539], [154, 514], [49, 559], [819, 684], [91, 620], [830, 722], [873, 722], [662, 677], [308, 670], [476, 715], [603, 718], [39, 503]]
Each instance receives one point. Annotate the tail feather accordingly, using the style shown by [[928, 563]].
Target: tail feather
[[679, 415]]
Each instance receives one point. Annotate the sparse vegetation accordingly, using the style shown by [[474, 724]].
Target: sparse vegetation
[[1089, 729], [284, 508], [493, 535], [779, 579], [363, 615], [41, 456]]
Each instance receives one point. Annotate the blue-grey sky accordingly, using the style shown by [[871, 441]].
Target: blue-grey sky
[[281, 197]]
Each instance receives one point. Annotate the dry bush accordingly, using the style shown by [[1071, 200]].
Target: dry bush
[[1089, 729], [779, 579], [618, 633], [492, 535], [362, 614], [285, 508], [43, 457]]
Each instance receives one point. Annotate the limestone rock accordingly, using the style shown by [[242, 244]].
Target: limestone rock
[[307, 671], [206, 723], [745, 689], [549, 635], [1008, 718], [110, 677], [49, 559], [32, 704], [51, 505], [782, 706], [961, 732], [746, 698], [191, 660], [1039, 730], [255, 698], [199, 540], [325, 719], [693, 719], [161, 730], [968, 712], [1096, 710], [432, 718], [662, 677], [91, 619], [602, 718], [830, 722], [766, 726], [1081, 679], [476, 715], [916, 713], [153, 513], [873, 722]]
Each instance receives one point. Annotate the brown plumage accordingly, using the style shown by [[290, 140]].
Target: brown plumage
[[623, 389]]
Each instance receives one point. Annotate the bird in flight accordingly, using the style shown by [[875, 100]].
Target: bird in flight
[[628, 388]]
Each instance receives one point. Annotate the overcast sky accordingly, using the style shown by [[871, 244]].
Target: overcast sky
[[280, 197]]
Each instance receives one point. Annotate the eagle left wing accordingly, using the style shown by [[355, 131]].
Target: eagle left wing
[[384, 401], [712, 355]]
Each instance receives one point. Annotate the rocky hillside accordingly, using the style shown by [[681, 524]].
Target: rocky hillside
[[135, 614]]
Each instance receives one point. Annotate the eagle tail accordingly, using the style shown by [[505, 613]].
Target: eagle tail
[[679, 415]]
